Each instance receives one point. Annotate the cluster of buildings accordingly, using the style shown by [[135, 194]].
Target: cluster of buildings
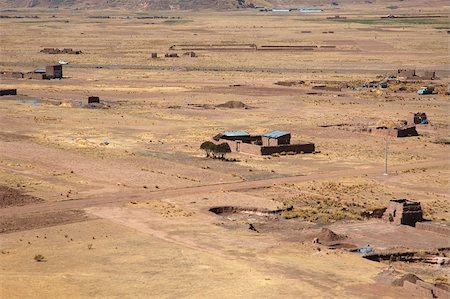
[[400, 131], [175, 55], [267, 144], [411, 74], [50, 72], [58, 51], [416, 124]]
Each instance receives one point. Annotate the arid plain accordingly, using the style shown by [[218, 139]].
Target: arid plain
[[116, 198]]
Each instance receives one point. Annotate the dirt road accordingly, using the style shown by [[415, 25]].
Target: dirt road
[[440, 72], [117, 198]]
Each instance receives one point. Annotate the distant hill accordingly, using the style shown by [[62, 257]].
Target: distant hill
[[129, 4], [165, 4], [195, 4]]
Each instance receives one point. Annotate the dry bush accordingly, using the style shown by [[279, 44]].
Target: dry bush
[[39, 258]]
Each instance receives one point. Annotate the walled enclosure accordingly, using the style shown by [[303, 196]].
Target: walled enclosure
[[403, 211], [265, 145]]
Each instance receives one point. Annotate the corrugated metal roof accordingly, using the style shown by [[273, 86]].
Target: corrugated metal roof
[[235, 134], [276, 134]]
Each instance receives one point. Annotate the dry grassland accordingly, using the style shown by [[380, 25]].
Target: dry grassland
[[142, 147]]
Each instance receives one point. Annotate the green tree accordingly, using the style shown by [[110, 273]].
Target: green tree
[[223, 149], [208, 147]]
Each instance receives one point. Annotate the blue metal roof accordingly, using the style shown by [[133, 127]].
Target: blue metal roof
[[236, 134], [276, 134]]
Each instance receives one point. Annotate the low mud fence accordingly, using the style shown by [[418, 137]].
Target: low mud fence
[[227, 210], [248, 47], [434, 227]]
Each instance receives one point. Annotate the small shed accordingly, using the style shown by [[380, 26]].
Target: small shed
[[405, 131], [93, 99], [275, 138], [419, 118], [6, 92], [35, 75], [54, 71]]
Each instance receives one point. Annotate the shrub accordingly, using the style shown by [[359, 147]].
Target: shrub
[[217, 150], [223, 149], [208, 147], [39, 258]]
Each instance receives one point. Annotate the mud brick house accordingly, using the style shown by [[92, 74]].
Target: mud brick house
[[275, 138], [6, 92], [58, 51], [403, 131], [54, 71], [71, 51], [50, 72], [403, 211], [418, 118], [234, 136], [50, 51], [9, 75], [93, 99], [423, 126], [267, 144], [36, 74]]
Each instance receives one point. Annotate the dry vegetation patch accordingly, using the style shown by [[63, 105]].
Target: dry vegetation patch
[[330, 200], [13, 197], [165, 209], [39, 220]]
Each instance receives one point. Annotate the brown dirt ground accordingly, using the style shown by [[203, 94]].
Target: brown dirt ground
[[39, 220], [166, 244], [13, 197]]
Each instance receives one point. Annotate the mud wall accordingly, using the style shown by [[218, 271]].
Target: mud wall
[[6, 75], [36, 76], [407, 213], [5, 92], [434, 227], [296, 148]]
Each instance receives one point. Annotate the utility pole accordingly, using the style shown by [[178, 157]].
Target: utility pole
[[386, 155]]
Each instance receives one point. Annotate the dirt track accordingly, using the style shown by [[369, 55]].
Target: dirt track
[[440, 72], [117, 198]]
